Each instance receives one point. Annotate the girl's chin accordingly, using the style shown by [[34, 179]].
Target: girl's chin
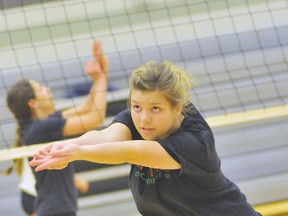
[[148, 138]]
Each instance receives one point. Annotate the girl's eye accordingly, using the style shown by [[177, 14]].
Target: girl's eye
[[156, 109], [136, 107]]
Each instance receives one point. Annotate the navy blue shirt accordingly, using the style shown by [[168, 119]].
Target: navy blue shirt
[[199, 188], [56, 190]]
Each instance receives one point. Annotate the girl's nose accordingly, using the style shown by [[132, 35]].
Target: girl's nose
[[145, 117]]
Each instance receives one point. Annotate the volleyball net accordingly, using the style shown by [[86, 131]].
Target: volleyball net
[[236, 50]]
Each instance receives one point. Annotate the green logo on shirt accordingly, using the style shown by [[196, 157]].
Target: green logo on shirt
[[151, 175]]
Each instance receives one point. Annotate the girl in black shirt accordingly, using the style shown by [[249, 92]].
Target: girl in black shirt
[[175, 169]]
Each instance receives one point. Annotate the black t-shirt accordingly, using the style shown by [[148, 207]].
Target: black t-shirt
[[197, 189], [56, 189]]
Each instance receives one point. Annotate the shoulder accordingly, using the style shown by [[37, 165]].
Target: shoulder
[[53, 122], [193, 141], [125, 117], [195, 124], [44, 130]]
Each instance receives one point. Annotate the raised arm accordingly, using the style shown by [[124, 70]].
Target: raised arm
[[92, 112]]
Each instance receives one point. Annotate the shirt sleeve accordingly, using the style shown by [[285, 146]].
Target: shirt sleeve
[[124, 117], [46, 130], [193, 147]]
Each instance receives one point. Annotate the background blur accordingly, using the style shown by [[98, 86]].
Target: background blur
[[237, 50]]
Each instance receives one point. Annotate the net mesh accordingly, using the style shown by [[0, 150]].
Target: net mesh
[[237, 50]]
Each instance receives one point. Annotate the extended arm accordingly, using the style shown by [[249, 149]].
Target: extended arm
[[140, 152], [110, 146]]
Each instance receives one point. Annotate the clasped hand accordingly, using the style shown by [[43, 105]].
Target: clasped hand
[[55, 155]]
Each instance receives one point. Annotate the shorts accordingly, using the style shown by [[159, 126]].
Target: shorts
[[27, 202]]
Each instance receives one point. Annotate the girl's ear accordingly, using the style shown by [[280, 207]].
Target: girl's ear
[[32, 103], [178, 109]]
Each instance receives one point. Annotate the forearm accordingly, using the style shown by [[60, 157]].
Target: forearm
[[96, 99], [140, 152], [101, 136], [92, 112], [59, 156], [106, 153], [91, 138], [96, 103]]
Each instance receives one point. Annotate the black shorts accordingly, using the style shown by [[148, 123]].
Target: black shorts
[[27, 202]]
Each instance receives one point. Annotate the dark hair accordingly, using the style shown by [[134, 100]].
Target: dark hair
[[17, 100]]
